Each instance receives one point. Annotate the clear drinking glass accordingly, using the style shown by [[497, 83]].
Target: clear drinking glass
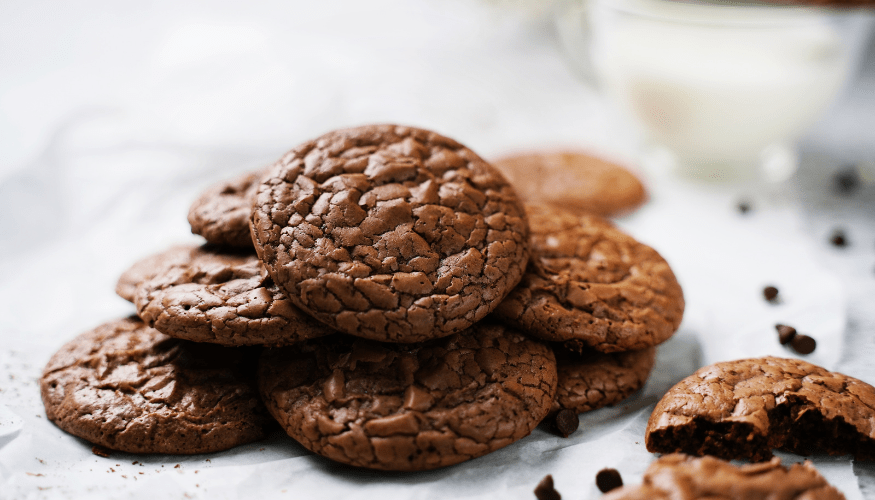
[[722, 90]]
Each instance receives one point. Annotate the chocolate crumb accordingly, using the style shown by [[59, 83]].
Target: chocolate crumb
[[608, 479], [743, 207], [100, 451], [838, 238], [847, 180], [545, 489], [566, 422], [176, 466], [771, 294], [785, 333], [803, 344]]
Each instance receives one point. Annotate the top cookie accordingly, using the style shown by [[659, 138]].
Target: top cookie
[[573, 181], [221, 213], [590, 283], [744, 409], [681, 477], [390, 233]]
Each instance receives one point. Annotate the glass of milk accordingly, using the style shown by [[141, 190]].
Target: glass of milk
[[721, 89]]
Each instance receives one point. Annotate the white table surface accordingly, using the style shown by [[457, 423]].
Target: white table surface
[[113, 117]]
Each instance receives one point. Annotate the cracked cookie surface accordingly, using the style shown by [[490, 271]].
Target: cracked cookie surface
[[682, 477], [390, 233], [574, 181], [223, 297], [588, 282], [147, 268], [127, 387], [410, 406], [743, 409], [221, 213], [594, 379]]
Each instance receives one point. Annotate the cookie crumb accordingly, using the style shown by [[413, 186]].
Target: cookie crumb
[[100, 451], [176, 466], [545, 489], [785, 333], [743, 207], [846, 180], [803, 344], [771, 294], [608, 479], [838, 238], [566, 422]]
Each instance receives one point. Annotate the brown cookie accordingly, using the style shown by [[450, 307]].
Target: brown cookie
[[589, 283], [594, 379], [148, 268], [682, 477], [744, 409], [410, 406], [390, 233], [574, 181], [127, 387], [225, 298], [221, 213]]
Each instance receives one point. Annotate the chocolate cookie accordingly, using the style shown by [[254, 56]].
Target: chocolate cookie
[[148, 268], [589, 283], [127, 387], [574, 181], [410, 406], [221, 213], [225, 298], [594, 379], [682, 477], [744, 409], [390, 233]]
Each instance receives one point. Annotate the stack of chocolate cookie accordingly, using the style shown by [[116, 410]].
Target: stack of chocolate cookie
[[410, 318]]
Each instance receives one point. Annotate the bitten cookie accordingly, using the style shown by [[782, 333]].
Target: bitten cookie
[[574, 181], [591, 284], [221, 213], [410, 407], [682, 477], [127, 387], [225, 298], [593, 379], [744, 409], [147, 268], [390, 233]]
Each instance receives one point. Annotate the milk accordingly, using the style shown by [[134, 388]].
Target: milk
[[715, 85]]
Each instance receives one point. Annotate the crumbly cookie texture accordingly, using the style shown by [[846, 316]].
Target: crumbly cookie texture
[[410, 406], [221, 213], [589, 283], [127, 387], [223, 297], [593, 379], [390, 233], [147, 268], [574, 181], [682, 477], [744, 409]]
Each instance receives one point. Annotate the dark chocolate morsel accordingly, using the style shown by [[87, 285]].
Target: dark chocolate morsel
[[785, 333], [608, 479], [803, 344], [770, 293], [545, 489], [566, 422]]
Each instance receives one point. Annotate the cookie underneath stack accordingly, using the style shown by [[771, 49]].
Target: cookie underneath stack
[[375, 257]]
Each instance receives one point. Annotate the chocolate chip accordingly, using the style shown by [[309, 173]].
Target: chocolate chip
[[838, 238], [608, 479], [847, 180], [546, 491], [743, 207], [100, 451], [566, 422], [803, 344], [771, 294], [785, 333]]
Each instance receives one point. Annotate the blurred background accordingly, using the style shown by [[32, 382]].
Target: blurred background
[[114, 116]]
